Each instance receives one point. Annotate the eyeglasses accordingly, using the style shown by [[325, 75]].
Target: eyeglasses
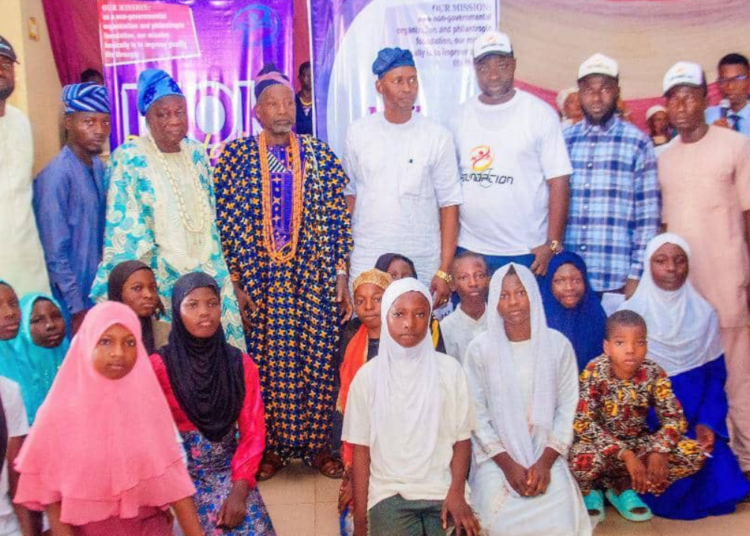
[[725, 81]]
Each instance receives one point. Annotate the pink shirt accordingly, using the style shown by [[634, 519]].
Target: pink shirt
[[251, 422], [706, 189]]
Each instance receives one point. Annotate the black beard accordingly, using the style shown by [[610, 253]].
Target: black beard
[[7, 92], [606, 117]]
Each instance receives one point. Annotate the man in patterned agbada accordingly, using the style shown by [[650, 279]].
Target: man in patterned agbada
[[287, 238]]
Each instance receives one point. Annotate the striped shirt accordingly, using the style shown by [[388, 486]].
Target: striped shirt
[[615, 202]]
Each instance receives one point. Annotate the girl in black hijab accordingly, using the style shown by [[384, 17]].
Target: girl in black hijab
[[213, 391]]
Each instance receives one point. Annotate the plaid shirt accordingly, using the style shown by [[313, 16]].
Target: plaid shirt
[[615, 202]]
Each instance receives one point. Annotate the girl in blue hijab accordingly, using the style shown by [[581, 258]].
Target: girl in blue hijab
[[572, 307], [40, 346]]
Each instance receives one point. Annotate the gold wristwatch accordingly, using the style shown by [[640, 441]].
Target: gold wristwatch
[[555, 246], [448, 278]]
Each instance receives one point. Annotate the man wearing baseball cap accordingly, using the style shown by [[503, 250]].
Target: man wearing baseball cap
[[514, 166], [22, 260], [614, 191], [705, 181]]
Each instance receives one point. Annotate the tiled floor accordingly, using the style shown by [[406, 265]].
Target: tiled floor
[[303, 503]]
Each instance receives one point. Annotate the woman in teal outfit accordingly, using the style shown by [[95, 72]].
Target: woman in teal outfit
[[161, 208]]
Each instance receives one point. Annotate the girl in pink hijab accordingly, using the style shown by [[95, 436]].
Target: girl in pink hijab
[[103, 458]]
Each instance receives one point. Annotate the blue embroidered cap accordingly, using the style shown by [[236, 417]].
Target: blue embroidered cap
[[86, 97], [153, 84], [390, 58]]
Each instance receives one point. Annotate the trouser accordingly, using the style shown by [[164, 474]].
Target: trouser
[[592, 469], [397, 516], [736, 342]]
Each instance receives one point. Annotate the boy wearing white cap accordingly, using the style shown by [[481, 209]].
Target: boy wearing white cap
[[514, 166], [614, 191], [705, 180]]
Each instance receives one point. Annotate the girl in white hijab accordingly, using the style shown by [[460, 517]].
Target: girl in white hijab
[[523, 379], [684, 339], [409, 418]]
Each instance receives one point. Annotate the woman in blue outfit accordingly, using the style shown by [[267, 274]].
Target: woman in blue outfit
[[683, 338], [572, 307]]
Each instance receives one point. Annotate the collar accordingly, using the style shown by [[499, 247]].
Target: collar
[[744, 113], [478, 321], [607, 127]]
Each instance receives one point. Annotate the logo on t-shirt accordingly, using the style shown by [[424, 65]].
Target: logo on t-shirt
[[481, 158]]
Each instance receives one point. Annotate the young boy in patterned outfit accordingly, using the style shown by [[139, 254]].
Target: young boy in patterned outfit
[[614, 449]]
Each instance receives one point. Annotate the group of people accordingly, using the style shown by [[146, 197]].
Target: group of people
[[589, 354]]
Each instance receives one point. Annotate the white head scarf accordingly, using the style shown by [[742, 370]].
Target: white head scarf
[[683, 329], [509, 417], [563, 96], [406, 396]]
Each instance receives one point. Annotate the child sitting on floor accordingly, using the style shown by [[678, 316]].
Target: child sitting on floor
[[613, 447]]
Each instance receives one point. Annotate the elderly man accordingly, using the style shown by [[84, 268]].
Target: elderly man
[[286, 236], [70, 200], [22, 259], [404, 191], [705, 177], [614, 193], [514, 166]]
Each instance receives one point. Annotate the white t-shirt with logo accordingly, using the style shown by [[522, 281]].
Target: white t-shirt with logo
[[506, 153], [18, 426]]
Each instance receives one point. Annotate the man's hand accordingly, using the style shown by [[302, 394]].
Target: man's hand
[[343, 299], [440, 290], [345, 492], [542, 256], [515, 474], [637, 472], [457, 510], [233, 510], [246, 304], [76, 320], [630, 287], [658, 472], [538, 478], [705, 438], [722, 122]]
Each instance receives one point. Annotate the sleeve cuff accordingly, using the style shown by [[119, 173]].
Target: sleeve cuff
[[483, 453]]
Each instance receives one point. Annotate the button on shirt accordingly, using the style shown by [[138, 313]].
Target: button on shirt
[[714, 113], [401, 175], [615, 203]]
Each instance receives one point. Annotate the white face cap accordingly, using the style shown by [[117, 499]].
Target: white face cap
[[492, 43], [655, 110], [683, 73], [598, 64]]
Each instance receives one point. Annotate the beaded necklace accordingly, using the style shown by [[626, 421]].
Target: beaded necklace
[[205, 215], [288, 252]]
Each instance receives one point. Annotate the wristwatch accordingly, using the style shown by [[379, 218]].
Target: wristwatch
[[448, 278], [555, 246]]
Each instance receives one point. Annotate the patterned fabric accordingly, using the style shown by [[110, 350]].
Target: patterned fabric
[[209, 465], [282, 200], [295, 327], [615, 202], [611, 418], [134, 225], [86, 97], [153, 84]]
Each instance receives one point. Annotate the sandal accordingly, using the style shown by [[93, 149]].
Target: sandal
[[269, 466], [328, 466], [627, 503], [594, 502]]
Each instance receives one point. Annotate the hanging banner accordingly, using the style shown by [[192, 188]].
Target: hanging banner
[[346, 36], [212, 49]]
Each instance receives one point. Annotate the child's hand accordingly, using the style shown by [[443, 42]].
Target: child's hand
[[345, 493], [637, 472], [705, 437], [515, 474], [658, 472], [456, 508]]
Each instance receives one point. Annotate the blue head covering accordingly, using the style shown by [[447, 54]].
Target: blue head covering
[[7, 350], [390, 58], [86, 97], [36, 367], [584, 324], [153, 84]]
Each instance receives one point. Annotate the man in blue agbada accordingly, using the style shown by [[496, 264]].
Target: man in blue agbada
[[70, 197]]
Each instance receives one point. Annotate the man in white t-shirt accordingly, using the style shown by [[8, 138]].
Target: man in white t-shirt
[[514, 166], [404, 188], [18, 427]]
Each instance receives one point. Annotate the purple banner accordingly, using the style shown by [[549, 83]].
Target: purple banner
[[212, 49]]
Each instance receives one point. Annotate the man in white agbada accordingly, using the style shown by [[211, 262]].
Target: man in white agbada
[[523, 378], [404, 187], [410, 419], [22, 260]]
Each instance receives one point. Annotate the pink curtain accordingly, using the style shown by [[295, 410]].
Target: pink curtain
[[74, 34]]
